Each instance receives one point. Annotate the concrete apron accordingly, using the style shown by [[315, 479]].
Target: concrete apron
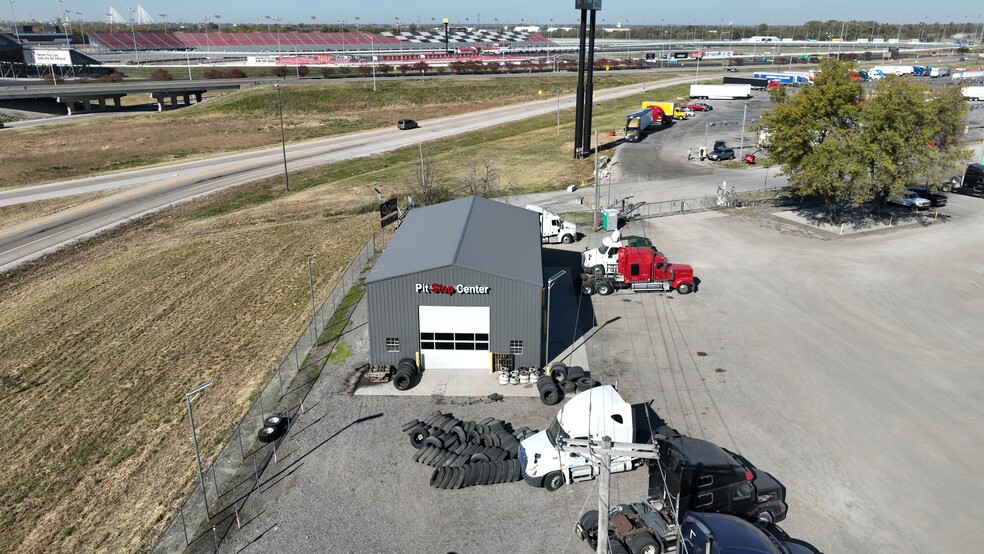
[[451, 382]]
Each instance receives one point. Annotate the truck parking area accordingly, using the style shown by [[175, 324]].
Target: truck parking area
[[847, 369]]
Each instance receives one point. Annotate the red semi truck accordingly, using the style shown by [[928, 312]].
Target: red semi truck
[[640, 269]]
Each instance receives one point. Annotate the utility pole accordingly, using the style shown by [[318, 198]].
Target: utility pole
[[602, 453], [596, 184]]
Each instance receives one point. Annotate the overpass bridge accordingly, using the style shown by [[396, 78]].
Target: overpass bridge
[[33, 100]]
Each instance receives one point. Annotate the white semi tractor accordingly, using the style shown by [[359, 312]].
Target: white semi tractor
[[553, 229]]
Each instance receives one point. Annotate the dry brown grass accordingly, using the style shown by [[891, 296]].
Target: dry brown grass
[[99, 347]]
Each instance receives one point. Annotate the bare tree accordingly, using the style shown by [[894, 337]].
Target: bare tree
[[425, 185], [483, 179]]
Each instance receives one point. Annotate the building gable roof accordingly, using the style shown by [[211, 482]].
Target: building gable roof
[[474, 233]]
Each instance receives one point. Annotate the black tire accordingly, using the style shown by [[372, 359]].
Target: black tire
[[550, 396], [280, 422], [567, 239], [598, 270], [575, 372], [410, 425], [684, 288], [558, 372], [615, 546], [585, 383], [605, 288], [408, 362], [946, 187], [569, 387], [269, 434], [436, 477], [644, 543], [418, 435], [402, 380], [913, 207], [589, 524], [587, 288], [479, 457], [553, 481], [434, 441]]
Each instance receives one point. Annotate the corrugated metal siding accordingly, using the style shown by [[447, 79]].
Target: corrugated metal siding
[[516, 312]]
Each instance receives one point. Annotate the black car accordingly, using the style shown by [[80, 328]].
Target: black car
[[935, 199], [406, 124], [720, 154]]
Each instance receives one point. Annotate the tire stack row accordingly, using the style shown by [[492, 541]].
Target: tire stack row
[[466, 453], [564, 380], [406, 374]]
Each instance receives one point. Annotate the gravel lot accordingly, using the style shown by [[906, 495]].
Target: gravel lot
[[845, 366]]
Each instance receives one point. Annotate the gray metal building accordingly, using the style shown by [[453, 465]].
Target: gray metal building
[[459, 283]]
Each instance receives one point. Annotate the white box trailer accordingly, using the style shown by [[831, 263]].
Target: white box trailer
[[721, 92], [973, 93]]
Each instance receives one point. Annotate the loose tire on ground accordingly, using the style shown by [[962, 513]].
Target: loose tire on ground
[[559, 372], [280, 422], [553, 481], [269, 434]]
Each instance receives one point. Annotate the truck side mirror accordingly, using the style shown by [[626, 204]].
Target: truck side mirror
[[617, 417]]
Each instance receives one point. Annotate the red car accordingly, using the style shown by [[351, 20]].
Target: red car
[[700, 107]]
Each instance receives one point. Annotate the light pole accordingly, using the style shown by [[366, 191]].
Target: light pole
[[546, 346], [164, 20], [628, 36], [278, 20], [133, 33], [741, 148], [194, 439], [68, 41], [372, 57], [81, 27], [283, 141], [208, 45], [13, 19]]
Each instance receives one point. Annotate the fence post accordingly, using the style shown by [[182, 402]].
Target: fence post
[[215, 481], [280, 377], [239, 434], [184, 525]]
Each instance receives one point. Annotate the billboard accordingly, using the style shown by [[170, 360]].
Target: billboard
[[47, 57], [388, 212]]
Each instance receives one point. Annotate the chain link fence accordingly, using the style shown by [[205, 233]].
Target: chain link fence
[[235, 472], [724, 198]]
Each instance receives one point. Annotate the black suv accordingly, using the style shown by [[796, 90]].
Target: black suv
[[406, 124]]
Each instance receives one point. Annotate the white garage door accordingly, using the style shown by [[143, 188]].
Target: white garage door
[[454, 337]]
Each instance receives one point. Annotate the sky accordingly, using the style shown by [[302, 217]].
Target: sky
[[513, 12]]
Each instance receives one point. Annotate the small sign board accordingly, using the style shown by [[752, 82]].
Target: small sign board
[[587, 4], [388, 212]]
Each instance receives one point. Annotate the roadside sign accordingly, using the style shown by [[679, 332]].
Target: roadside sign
[[388, 212]]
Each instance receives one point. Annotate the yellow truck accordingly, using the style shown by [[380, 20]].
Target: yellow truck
[[668, 108]]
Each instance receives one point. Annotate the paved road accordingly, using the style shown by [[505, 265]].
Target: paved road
[[155, 188]]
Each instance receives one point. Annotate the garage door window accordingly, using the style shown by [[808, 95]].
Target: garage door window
[[454, 341], [393, 344], [516, 347]]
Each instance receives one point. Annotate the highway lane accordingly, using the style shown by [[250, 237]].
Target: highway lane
[[154, 188]]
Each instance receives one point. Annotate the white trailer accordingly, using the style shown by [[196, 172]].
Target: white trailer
[[721, 92], [937, 71], [552, 228], [973, 93]]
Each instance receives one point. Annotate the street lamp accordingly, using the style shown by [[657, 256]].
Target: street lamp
[[133, 33], [278, 20], [81, 27], [13, 19], [164, 20], [283, 141], [68, 41], [372, 56], [546, 348], [194, 439], [208, 44]]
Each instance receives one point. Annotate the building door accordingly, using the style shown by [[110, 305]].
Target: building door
[[453, 337]]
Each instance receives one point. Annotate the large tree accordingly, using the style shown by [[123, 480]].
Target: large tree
[[835, 141]]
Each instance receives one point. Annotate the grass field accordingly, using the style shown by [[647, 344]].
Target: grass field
[[101, 340], [248, 119]]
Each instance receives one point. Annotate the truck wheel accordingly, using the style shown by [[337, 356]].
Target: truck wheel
[[598, 270], [567, 239], [589, 523], [644, 543], [553, 481], [605, 288], [616, 547], [587, 288], [684, 288]]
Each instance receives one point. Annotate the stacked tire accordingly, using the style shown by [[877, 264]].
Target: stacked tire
[[562, 381], [273, 428], [466, 453], [405, 377]]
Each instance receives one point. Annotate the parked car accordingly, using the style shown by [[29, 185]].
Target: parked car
[[697, 107], [636, 240], [720, 154], [731, 69], [936, 199], [707, 107], [1, 125], [406, 124], [911, 200], [687, 110]]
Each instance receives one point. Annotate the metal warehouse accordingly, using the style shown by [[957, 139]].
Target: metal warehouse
[[460, 285]]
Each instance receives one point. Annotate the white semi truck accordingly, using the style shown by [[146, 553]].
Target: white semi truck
[[553, 229], [973, 93]]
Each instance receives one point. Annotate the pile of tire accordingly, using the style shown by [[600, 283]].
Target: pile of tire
[[406, 374], [564, 380], [273, 428], [467, 453]]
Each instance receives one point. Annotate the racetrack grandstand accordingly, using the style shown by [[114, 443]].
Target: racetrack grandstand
[[314, 41]]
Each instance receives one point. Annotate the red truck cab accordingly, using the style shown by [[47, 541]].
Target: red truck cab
[[640, 269]]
